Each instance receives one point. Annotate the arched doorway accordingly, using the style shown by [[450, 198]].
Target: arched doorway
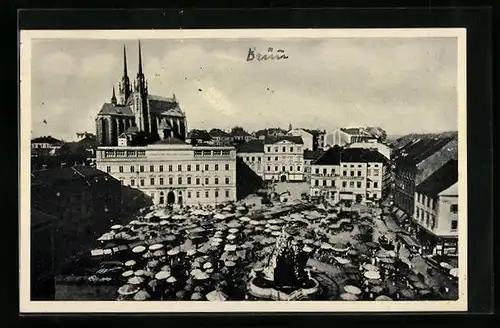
[[170, 197], [162, 198], [283, 178], [179, 200]]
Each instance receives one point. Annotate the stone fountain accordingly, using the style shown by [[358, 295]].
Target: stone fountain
[[285, 276]]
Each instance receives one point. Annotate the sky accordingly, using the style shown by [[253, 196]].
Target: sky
[[403, 85]]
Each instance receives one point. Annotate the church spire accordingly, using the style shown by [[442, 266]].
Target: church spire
[[125, 73], [113, 98], [140, 59], [125, 89]]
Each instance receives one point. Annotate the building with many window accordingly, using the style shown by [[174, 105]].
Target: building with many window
[[350, 174], [46, 142], [174, 172], [284, 159], [345, 136], [435, 218], [252, 154], [414, 163], [309, 157]]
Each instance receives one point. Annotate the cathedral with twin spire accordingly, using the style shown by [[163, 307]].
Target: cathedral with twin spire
[[134, 110]]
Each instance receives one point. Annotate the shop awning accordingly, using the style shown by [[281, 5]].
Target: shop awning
[[409, 241]]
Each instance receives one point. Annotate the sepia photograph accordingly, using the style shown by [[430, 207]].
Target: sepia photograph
[[270, 170]]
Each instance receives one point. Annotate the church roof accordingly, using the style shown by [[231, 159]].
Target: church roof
[[158, 105], [111, 109]]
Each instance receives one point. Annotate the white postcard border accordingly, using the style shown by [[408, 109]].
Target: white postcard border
[[28, 306]]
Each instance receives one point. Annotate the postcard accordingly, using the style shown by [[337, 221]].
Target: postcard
[[265, 170]]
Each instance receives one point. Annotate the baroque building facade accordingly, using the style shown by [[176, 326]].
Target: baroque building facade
[[135, 110], [171, 171]]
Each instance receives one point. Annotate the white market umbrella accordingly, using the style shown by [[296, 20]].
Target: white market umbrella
[[173, 251], [233, 230], [454, 272], [348, 297], [138, 249], [162, 275], [445, 265], [171, 279], [155, 247], [136, 280], [117, 227], [128, 273], [231, 237], [245, 219], [207, 265], [130, 263], [372, 275], [370, 267], [216, 296], [341, 260], [352, 290], [307, 249], [219, 216], [326, 246], [230, 248]]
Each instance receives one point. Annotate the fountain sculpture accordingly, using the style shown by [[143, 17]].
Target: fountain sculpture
[[285, 276]]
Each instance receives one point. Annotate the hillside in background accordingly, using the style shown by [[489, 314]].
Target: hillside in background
[[398, 137]]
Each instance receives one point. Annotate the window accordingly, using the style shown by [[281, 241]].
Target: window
[[454, 208], [324, 171], [298, 168], [216, 194], [324, 182], [141, 168], [269, 168], [216, 181], [275, 149], [284, 149], [351, 184], [352, 165], [197, 194], [427, 218], [197, 167], [369, 172], [170, 180], [358, 184], [197, 181], [317, 171], [359, 173], [179, 180], [283, 169], [188, 180], [333, 171], [291, 149], [170, 168], [207, 181], [276, 158], [269, 158], [375, 185], [216, 167], [344, 184], [352, 173], [227, 193], [132, 182], [132, 169], [189, 194], [227, 181], [276, 168], [151, 168], [428, 202], [344, 173], [253, 159], [160, 168], [152, 181], [179, 167], [316, 183], [269, 149], [359, 165], [291, 168], [121, 181], [368, 185], [207, 194], [142, 182], [258, 158], [108, 169], [376, 172], [189, 167], [161, 181], [207, 167]]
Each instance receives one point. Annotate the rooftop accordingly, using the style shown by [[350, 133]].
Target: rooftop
[[46, 139], [330, 157], [199, 134], [442, 179], [294, 139], [450, 191], [170, 141], [253, 146], [65, 174], [218, 133], [158, 105], [312, 154], [420, 149]]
